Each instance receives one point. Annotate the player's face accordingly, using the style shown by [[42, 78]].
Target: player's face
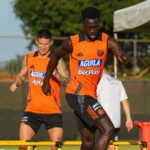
[[91, 28], [43, 45]]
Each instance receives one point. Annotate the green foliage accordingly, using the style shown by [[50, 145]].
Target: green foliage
[[63, 17]]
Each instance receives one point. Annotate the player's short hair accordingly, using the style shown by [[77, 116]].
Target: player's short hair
[[44, 34], [91, 13]]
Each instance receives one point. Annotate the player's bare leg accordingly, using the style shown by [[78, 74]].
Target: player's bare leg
[[111, 147], [55, 134], [25, 133], [88, 139], [106, 129]]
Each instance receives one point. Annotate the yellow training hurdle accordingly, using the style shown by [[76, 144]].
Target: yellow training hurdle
[[31, 145]]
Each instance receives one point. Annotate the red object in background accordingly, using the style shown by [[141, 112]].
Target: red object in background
[[144, 132]]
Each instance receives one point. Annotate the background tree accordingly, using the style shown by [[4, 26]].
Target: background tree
[[63, 17]]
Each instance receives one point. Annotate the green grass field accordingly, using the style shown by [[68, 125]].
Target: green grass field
[[69, 148]]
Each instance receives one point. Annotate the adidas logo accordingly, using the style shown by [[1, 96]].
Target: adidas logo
[[32, 67], [80, 54]]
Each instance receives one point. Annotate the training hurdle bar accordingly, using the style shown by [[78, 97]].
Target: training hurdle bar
[[116, 144], [31, 145]]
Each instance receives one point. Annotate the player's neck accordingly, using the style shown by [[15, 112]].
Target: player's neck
[[43, 55], [105, 74]]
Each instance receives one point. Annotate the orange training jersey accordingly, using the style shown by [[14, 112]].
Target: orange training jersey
[[37, 101], [86, 64]]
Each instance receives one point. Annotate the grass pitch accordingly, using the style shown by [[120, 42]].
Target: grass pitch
[[68, 148]]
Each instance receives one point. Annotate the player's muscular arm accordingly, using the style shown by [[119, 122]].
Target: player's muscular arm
[[21, 76], [126, 107], [61, 51], [63, 74], [118, 52]]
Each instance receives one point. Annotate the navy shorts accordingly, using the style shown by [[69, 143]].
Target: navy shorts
[[35, 120], [87, 110]]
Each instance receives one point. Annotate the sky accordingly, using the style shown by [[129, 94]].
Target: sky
[[10, 25]]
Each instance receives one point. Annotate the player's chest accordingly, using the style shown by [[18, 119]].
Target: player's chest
[[88, 50], [38, 64]]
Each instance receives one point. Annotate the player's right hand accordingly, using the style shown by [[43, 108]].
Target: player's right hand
[[129, 125], [13, 87], [46, 88]]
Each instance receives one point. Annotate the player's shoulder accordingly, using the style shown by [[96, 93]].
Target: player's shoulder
[[110, 78], [32, 54], [116, 80], [119, 82], [75, 35], [75, 38], [104, 36]]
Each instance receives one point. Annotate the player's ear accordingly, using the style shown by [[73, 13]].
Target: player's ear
[[52, 41]]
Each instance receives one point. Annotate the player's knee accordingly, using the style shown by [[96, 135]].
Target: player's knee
[[88, 144], [56, 139], [109, 130], [106, 129]]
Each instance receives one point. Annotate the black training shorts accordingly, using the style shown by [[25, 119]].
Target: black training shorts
[[87, 110], [35, 120]]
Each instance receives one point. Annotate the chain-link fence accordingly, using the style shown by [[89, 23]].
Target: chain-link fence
[[138, 52]]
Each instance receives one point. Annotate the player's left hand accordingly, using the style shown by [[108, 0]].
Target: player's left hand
[[123, 58], [129, 125]]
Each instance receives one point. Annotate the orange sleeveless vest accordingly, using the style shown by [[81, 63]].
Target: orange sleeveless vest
[[37, 101], [86, 65]]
